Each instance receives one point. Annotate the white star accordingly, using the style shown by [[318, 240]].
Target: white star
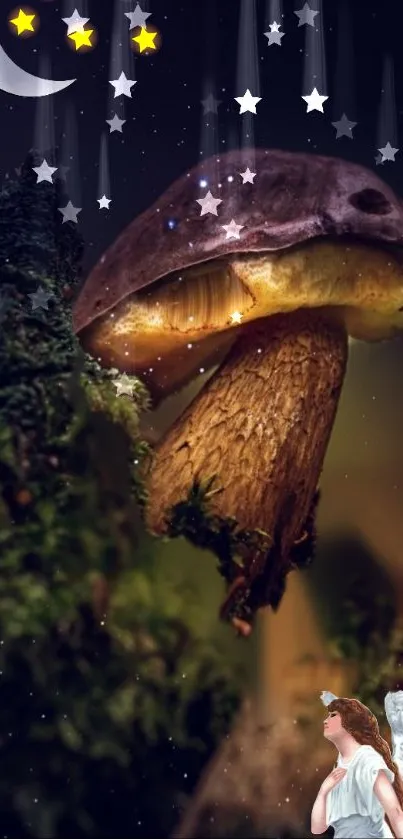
[[314, 101], [75, 23], [247, 102], [122, 85], [209, 204], [104, 202], [124, 387], [116, 124], [232, 229], [388, 152], [247, 176], [69, 212], [44, 172], [138, 17]]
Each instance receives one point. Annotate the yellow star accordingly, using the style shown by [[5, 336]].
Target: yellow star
[[145, 40], [23, 22], [82, 39]]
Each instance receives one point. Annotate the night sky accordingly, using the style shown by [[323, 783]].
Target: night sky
[[217, 45], [354, 56]]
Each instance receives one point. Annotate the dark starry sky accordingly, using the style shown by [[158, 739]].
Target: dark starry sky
[[162, 137]]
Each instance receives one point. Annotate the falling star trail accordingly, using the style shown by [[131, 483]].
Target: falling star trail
[[70, 154], [122, 58], [387, 117], [273, 13], [209, 136], [248, 71], [70, 5], [44, 129], [104, 183], [344, 97], [315, 55]]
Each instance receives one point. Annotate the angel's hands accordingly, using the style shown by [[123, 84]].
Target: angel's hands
[[333, 779]]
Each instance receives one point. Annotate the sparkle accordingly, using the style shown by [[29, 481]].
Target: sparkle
[[236, 317]]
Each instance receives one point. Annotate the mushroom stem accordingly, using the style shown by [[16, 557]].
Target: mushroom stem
[[261, 424]]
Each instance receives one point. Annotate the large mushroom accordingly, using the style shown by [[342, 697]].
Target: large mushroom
[[269, 286]]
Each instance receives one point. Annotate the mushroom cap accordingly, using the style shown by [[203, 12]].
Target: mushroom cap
[[295, 197]]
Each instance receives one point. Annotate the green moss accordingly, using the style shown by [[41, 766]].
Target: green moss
[[91, 664]]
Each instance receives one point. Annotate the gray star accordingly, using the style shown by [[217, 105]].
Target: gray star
[[388, 152], [138, 17], [306, 15], [210, 104], [69, 212], [104, 202], [274, 35], [344, 127], [62, 172], [124, 386], [123, 85], [44, 172], [40, 299], [116, 124]]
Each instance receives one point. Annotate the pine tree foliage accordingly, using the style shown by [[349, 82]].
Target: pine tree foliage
[[97, 719]]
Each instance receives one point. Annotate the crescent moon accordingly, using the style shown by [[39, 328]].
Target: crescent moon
[[15, 80]]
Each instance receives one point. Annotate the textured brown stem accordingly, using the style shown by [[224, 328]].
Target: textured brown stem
[[262, 425]]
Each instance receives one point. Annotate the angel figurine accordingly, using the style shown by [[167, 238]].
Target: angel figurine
[[362, 798]]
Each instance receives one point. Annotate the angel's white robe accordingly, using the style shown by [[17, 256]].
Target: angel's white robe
[[352, 807]]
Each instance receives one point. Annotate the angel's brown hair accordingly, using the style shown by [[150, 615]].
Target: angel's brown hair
[[362, 724]]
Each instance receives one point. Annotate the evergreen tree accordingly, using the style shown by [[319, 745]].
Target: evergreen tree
[[99, 729]]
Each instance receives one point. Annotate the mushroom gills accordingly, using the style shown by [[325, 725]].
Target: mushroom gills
[[167, 331], [181, 324], [262, 423]]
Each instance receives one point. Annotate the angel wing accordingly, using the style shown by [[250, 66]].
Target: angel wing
[[394, 716]]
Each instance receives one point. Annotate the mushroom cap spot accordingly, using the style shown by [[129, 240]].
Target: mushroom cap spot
[[296, 197], [371, 201]]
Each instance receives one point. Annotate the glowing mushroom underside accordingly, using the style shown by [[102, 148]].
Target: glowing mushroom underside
[[319, 259]]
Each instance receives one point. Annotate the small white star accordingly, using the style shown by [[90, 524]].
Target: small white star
[[209, 204], [236, 317], [116, 124], [69, 212], [138, 17], [124, 387], [247, 176], [232, 229], [75, 23], [123, 85], [247, 102], [104, 202], [388, 152], [44, 172], [314, 101]]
